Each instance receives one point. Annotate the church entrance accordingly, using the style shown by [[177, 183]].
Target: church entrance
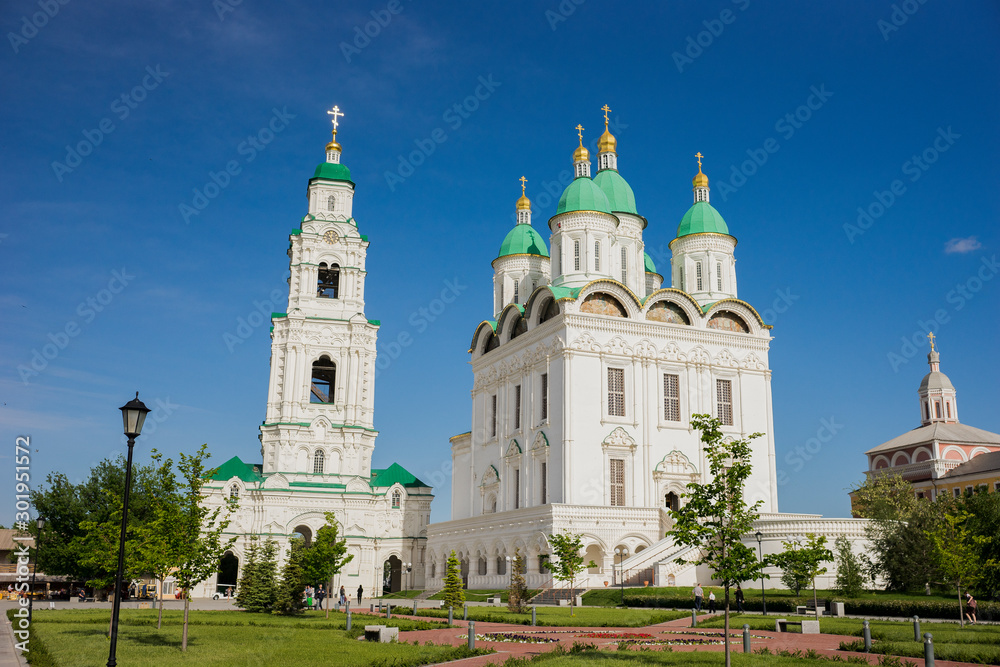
[[304, 534], [229, 568], [392, 575]]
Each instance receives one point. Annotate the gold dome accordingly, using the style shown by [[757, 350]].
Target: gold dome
[[523, 204], [581, 154], [700, 180], [607, 143], [333, 145]]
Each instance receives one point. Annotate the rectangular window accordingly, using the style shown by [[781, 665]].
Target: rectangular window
[[937, 409], [671, 398], [724, 398], [697, 274], [545, 396], [493, 418], [718, 275], [543, 472], [957, 491], [624, 266], [968, 490], [616, 392], [996, 486], [517, 407], [617, 482], [576, 255], [517, 488], [947, 409], [597, 255], [515, 291]]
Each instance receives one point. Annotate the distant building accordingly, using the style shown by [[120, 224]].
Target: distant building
[[941, 456]]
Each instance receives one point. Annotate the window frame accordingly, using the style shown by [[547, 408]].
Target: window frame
[[517, 407], [576, 255], [720, 404], [614, 393], [616, 487], [675, 400]]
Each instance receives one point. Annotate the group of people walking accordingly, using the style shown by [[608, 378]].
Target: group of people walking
[[699, 596], [313, 597]]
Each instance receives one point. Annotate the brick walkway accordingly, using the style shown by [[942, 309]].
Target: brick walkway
[[677, 629]]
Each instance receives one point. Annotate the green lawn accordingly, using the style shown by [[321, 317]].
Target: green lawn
[[221, 638], [634, 658], [483, 595], [556, 616], [610, 597]]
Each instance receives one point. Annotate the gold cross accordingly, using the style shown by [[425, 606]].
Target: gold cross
[[699, 156], [579, 131], [335, 112], [606, 110], [930, 337], [523, 181]]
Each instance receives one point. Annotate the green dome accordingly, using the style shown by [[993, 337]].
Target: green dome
[[332, 172], [523, 240], [702, 218], [617, 190], [583, 195], [648, 261]]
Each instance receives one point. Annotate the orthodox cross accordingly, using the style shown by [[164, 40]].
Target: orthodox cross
[[335, 112], [930, 337], [699, 156], [579, 131], [523, 181], [606, 111]]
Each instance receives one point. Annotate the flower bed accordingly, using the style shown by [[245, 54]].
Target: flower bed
[[513, 638], [617, 635]]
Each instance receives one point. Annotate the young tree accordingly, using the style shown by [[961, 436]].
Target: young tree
[[454, 591], [518, 589], [158, 550], [956, 554], [567, 563], [292, 584], [258, 587], [793, 567], [327, 555], [983, 508], [716, 517], [850, 569], [197, 536]]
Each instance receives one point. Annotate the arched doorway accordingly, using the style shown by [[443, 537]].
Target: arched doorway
[[392, 575], [671, 501], [596, 554], [304, 534], [228, 575]]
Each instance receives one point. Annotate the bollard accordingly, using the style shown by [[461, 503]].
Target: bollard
[[533, 616], [388, 611], [472, 635], [465, 613], [868, 637], [348, 620], [451, 618], [347, 608], [414, 607], [916, 628], [746, 638], [928, 650], [694, 618]]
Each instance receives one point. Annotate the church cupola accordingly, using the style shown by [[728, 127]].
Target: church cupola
[[522, 265], [523, 206], [700, 183], [938, 401], [581, 157], [607, 146]]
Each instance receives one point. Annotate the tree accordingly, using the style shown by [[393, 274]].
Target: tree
[[158, 551], [518, 589], [793, 570], [290, 589], [197, 535], [258, 589], [850, 569], [715, 517], [326, 556], [955, 552], [454, 591], [983, 508], [568, 562]]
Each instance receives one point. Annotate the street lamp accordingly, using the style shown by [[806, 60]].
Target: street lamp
[[409, 569], [133, 415], [622, 553], [40, 522], [760, 551]]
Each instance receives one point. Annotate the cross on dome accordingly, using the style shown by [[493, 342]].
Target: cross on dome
[[930, 337], [335, 112], [699, 156], [579, 130], [606, 111], [523, 181]]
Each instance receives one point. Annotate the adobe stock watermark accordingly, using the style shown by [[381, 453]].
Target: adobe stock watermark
[[915, 167], [122, 106], [21, 555], [797, 459], [786, 126], [419, 321], [161, 409], [37, 21], [959, 296], [86, 312], [454, 116], [562, 12], [248, 149], [696, 44], [223, 7], [258, 316], [365, 33], [898, 17]]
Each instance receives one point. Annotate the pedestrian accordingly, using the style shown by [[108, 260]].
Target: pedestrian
[[343, 596], [320, 596], [971, 603], [698, 595], [361, 591], [309, 596], [739, 598], [711, 602]]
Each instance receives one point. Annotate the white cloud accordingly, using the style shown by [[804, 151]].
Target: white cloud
[[962, 246]]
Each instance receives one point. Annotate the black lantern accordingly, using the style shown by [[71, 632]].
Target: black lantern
[[133, 416]]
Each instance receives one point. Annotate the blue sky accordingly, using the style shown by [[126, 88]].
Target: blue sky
[[885, 82]]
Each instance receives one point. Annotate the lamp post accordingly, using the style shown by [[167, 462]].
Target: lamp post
[[510, 571], [760, 552], [409, 577], [622, 553], [40, 522], [133, 415]]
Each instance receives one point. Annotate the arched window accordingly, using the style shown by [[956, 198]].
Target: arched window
[[324, 381], [397, 499], [937, 409], [671, 501], [927, 414], [331, 203], [947, 409], [328, 284], [318, 460], [234, 492]]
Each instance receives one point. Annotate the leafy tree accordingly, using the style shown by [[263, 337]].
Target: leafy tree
[[983, 508], [197, 536], [327, 555], [567, 563], [793, 570], [850, 569], [158, 550], [292, 584], [716, 517], [454, 591], [258, 589], [955, 551], [518, 589]]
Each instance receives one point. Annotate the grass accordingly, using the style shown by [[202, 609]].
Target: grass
[[483, 595], [595, 617], [222, 638], [635, 658], [401, 595], [610, 597]]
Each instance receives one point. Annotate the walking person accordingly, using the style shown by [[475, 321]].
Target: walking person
[[361, 590], [320, 596], [971, 603], [343, 596], [739, 598], [699, 594], [711, 602]]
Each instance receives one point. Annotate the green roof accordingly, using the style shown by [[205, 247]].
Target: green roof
[[333, 172], [523, 240], [648, 261], [618, 191], [234, 467], [702, 218], [394, 474], [583, 195], [560, 292]]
